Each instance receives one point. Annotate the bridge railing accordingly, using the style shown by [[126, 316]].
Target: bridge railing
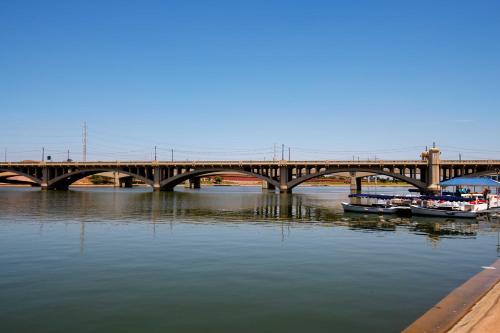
[[251, 162], [206, 162]]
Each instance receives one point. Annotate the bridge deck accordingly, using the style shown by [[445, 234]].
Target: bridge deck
[[243, 162]]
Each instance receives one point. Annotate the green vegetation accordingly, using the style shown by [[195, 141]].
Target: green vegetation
[[100, 180]]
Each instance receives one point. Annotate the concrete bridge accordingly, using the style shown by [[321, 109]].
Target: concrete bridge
[[424, 174]]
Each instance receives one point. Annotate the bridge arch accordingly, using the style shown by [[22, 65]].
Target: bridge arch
[[20, 173], [414, 182], [67, 179], [171, 182]]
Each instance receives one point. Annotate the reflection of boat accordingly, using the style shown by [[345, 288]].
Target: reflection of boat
[[443, 212], [378, 209], [463, 228]]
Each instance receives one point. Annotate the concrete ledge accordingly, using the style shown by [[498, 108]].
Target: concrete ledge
[[445, 314]]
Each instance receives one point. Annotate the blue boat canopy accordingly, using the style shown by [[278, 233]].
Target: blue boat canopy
[[465, 181]]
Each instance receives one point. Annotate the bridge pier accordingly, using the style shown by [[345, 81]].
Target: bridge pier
[[156, 179], [267, 186], [355, 183], [433, 169], [126, 182], [284, 177], [45, 179], [194, 183], [116, 179]]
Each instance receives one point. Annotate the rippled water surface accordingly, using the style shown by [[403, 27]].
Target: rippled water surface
[[223, 259]]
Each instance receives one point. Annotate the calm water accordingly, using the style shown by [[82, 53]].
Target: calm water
[[222, 259]]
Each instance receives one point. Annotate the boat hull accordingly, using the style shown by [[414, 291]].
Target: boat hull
[[417, 210], [368, 209]]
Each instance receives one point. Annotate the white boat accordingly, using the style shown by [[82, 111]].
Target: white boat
[[419, 210], [371, 209], [462, 202]]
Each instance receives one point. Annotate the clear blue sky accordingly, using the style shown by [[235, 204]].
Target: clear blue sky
[[229, 79]]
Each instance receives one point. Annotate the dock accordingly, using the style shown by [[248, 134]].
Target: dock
[[472, 307]]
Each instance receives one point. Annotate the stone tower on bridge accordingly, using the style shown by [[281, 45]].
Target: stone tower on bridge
[[433, 174]]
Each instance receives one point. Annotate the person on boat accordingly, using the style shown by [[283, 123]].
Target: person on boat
[[485, 193]]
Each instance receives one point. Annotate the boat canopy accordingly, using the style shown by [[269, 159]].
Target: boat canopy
[[422, 197], [465, 181], [452, 198], [380, 196]]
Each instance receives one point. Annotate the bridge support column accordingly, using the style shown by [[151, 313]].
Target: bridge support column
[[122, 181], [193, 183], [267, 186], [45, 179], [156, 179], [355, 183], [284, 176], [126, 182], [116, 179]]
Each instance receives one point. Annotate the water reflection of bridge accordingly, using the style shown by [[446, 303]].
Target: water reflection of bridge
[[191, 206], [172, 208]]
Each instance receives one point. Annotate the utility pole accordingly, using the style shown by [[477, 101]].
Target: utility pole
[[282, 152], [43, 154], [5, 154], [459, 156], [67, 160], [172, 151], [274, 152], [155, 153], [84, 141], [289, 153]]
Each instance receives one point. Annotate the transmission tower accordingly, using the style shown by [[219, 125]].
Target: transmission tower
[[84, 141]]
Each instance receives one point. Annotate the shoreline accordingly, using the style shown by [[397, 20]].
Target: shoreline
[[472, 307]]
